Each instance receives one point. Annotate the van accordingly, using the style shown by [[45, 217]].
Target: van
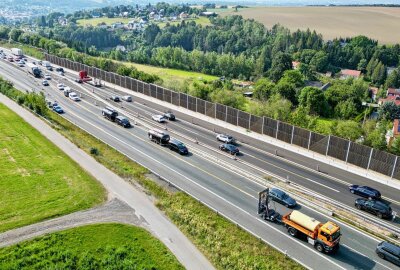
[[122, 121], [178, 146]]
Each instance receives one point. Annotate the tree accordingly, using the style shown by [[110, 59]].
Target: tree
[[350, 130], [300, 117], [389, 111], [293, 77], [319, 62], [376, 139], [286, 90], [280, 63], [395, 147], [306, 71], [278, 107], [263, 89], [314, 101], [15, 34], [379, 74], [362, 65], [346, 109], [150, 33], [393, 80]]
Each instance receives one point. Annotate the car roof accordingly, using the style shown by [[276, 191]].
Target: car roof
[[367, 187], [391, 246], [120, 117], [277, 191]]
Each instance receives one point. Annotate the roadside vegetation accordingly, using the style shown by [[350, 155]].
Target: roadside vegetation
[[226, 245], [38, 181], [100, 246]]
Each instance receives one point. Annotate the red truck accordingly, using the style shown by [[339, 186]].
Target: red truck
[[83, 77]]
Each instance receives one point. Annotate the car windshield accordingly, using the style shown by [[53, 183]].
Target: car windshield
[[336, 235]]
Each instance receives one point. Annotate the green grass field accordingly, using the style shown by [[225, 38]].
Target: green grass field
[[100, 246], [38, 181], [172, 77]]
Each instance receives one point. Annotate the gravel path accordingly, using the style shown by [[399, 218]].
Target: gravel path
[[145, 210], [112, 211]]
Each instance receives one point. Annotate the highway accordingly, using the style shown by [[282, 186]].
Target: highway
[[216, 179]]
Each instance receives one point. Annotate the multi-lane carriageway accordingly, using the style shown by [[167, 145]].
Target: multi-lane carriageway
[[226, 185]]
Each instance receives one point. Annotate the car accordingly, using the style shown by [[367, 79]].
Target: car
[[60, 69], [230, 148], [10, 58], [178, 146], [159, 118], [61, 73], [127, 98], [60, 86], [122, 121], [21, 64], [40, 62], [115, 98], [225, 138], [45, 83], [34, 62], [169, 116], [58, 109], [389, 252], [282, 198], [21, 61], [365, 191], [74, 96], [378, 208], [47, 76]]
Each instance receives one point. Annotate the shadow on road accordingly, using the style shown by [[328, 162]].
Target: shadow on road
[[353, 259]]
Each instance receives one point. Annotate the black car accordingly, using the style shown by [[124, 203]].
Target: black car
[[365, 191], [282, 198], [178, 146], [115, 98], [230, 148], [122, 121], [378, 208], [170, 116], [60, 69], [389, 252]]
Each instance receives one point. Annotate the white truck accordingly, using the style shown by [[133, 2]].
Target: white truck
[[17, 52]]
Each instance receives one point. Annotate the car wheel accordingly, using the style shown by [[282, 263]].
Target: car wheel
[[379, 215], [358, 207], [352, 191], [381, 255], [286, 205], [292, 231], [319, 247]]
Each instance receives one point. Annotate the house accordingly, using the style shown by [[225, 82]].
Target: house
[[96, 14], [125, 14], [373, 91], [392, 92], [349, 73], [394, 133], [395, 99], [152, 14], [183, 15], [208, 14], [295, 64]]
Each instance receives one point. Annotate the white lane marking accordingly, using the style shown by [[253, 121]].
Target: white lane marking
[[352, 249]]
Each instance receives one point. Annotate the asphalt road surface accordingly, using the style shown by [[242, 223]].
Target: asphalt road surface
[[216, 179]]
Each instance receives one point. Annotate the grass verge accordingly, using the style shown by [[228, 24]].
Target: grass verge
[[38, 181], [100, 246], [224, 244]]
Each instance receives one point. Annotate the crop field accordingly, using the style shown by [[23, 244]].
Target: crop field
[[100, 246], [38, 181], [379, 23]]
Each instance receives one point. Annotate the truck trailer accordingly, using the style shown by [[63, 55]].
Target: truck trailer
[[17, 52], [158, 136], [34, 70], [324, 237]]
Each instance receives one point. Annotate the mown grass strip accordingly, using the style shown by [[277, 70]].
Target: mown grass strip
[[38, 181], [100, 246]]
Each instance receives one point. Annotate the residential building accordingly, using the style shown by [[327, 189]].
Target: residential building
[[393, 92], [295, 64], [394, 133], [349, 73]]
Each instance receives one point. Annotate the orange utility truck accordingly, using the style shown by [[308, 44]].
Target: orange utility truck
[[324, 237]]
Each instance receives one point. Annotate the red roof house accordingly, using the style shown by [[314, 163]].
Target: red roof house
[[349, 73]]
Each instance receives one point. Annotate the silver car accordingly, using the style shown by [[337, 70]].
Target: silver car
[[225, 138]]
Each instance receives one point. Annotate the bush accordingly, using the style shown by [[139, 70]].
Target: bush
[[94, 151]]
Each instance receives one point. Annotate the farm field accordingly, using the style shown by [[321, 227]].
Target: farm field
[[38, 181], [379, 23], [101, 246]]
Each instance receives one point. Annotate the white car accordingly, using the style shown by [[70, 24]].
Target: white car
[[74, 96], [159, 118], [47, 76], [45, 83], [60, 86], [127, 98], [225, 138]]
